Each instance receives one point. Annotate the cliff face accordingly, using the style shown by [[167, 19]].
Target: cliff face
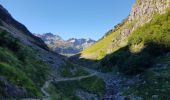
[[148, 7], [142, 12]]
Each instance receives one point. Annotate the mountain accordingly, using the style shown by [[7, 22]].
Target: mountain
[[25, 60], [131, 62], [142, 12], [137, 52], [61, 46]]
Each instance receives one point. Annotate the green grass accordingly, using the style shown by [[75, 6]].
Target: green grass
[[107, 44], [20, 66], [67, 90], [18, 77], [98, 49], [71, 70]]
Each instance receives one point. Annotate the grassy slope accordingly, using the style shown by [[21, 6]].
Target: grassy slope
[[71, 70], [147, 42], [147, 53], [109, 43], [67, 90], [19, 65]]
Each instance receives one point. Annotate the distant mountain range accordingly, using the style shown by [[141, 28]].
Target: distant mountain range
[[61, 46]]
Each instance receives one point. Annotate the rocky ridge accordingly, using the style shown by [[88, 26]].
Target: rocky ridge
[[61, 46]]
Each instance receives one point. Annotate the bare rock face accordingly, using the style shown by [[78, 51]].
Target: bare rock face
[[148, 7], [143, 10]]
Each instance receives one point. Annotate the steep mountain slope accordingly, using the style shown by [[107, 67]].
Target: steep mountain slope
[[137, 53], [25, 60], [18, 29], [20, 32], [142, 12], [61, 46]]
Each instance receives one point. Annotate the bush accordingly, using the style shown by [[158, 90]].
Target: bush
[[136, 63], [6, 40]]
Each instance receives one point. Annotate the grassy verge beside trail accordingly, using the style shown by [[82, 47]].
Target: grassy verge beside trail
[[67, 90], [71, 70]]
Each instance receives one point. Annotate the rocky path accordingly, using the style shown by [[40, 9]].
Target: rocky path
[[45, 86], [74, 78], [56, 80]]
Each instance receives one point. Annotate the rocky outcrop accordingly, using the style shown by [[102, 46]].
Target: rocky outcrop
[[143, 10], [61, 46], [148, 7]]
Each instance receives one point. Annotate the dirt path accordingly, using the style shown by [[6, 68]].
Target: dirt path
[[112, 84], [56, 80], [74, 78], [43, 89]]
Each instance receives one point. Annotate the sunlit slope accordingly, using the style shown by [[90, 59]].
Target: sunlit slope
[[142, 12], [104, 46]]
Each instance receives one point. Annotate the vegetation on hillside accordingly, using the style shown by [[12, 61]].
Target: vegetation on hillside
[[20, 66], [145, 44], [153, 82], [108, 43], [71, 70], [67, 90]]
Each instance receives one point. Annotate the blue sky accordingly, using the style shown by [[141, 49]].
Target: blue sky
[[69, 18]]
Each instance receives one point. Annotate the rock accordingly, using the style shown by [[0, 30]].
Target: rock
[[10, 90], [155, 97], [61, 46], [127, 98], [139, 98], [86, 96]]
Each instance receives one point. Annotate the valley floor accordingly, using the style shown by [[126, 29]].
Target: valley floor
[[117, 85]]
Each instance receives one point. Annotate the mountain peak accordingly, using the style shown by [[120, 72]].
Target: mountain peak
[[70, 46]]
